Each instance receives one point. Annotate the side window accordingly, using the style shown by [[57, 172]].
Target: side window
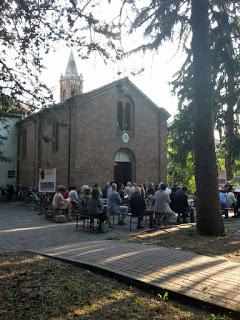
[[55, 137], [125, 116], [120, 115]]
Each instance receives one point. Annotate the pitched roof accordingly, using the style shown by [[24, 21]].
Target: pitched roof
[[71, 69], [124, 82]]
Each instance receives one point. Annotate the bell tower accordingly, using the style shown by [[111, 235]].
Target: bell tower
[[71, 84]]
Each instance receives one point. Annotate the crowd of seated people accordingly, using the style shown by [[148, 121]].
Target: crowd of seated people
[[229, 200], [156, 201]]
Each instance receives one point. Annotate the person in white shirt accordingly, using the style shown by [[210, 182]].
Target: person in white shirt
[[60, 203], [162, 201], [129, 190]]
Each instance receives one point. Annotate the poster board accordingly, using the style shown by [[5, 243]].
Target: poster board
[[47, 180]]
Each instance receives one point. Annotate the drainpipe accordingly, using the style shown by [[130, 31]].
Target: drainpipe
[[69, 144], [35, 150], [159, 148]]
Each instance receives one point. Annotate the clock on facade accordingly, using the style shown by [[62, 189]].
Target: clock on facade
[[125, 137]]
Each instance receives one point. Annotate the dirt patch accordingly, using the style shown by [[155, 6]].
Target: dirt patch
[[35, 287], [185, 237]]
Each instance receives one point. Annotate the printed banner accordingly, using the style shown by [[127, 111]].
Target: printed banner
[[47, 180]]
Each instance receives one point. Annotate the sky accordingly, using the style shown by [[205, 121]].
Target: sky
[[159, 68]]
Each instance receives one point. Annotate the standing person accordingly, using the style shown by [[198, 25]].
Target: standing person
[[162, 201], [137, 205], [182, 206], [115, 204], [60, 203]]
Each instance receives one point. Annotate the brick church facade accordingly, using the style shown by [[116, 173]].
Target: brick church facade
[[113, 133]]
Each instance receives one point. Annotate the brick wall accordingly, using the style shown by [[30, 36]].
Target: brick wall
[[95, 140]]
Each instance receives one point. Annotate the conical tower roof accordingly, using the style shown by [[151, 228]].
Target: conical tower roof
[[71, 69]]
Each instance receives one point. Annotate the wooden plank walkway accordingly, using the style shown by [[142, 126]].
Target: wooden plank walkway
[[208, 279]]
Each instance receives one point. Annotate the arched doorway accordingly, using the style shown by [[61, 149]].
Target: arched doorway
[[123, 166]]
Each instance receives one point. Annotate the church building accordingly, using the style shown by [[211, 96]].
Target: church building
[[112, 133]]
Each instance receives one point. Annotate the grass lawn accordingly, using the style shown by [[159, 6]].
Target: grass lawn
[[184, 237], [35, 287]]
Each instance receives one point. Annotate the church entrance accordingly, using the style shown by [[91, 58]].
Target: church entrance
[[123, 167]]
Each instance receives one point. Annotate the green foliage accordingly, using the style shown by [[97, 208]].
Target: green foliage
[[180, 150], [30, 29], [225, 53], [139, 302], [6, 104], [191, 230], [212, 316]]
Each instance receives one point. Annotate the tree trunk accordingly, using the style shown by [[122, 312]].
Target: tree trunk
[[229, 140], [209, 218]]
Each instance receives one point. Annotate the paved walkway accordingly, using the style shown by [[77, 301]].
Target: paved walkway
[[212, 280]]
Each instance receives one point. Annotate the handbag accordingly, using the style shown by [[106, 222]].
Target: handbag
[[104, 227]]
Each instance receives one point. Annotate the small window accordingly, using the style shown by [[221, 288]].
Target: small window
[[127, 117], [11, 174], [120, 115], [55, 137]]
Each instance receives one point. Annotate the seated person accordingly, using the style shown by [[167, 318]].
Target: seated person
[[223, 202], [150, 202], [182, 207], [231, 200], [94, 207], [115, 203], [85, 196], [60, 203], [137, 205], [162, 208], [73, 195], [150, 205]]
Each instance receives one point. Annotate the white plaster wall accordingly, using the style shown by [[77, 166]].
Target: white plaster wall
[[9, 148]]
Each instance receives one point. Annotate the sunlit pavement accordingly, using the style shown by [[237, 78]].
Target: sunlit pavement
[[23, 229], [211, 280]]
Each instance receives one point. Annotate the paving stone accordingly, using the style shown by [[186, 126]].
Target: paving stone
[[210, 279]]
